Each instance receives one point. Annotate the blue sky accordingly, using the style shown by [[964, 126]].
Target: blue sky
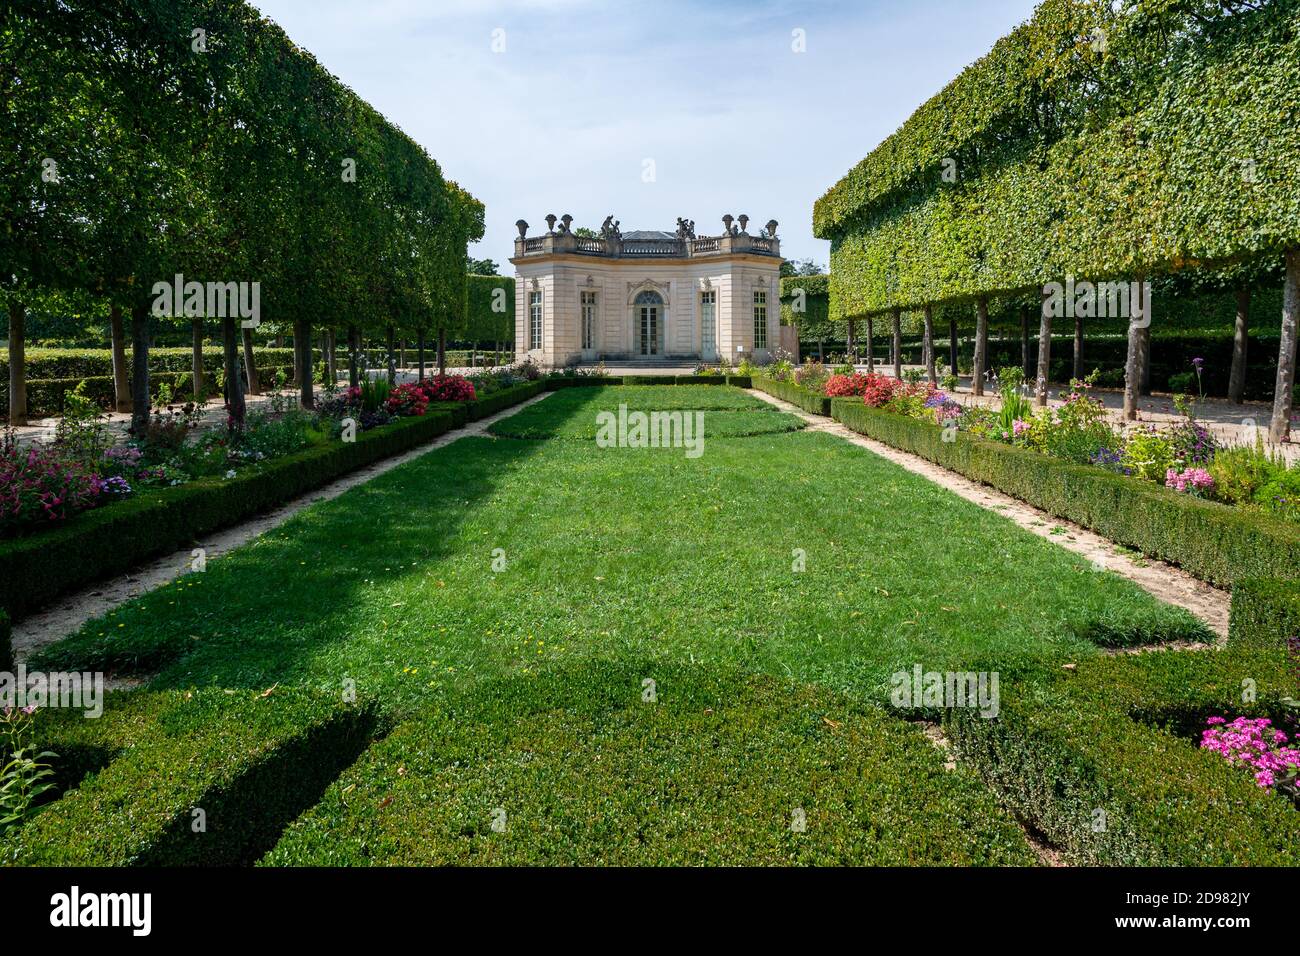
[[565, 118]]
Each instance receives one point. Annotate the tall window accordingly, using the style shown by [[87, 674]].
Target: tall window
[[709, 323], [760, 320], [589, 321], [534, 320]]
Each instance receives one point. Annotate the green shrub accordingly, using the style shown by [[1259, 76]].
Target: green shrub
[[701, 380], [649, 379], [1104, 761], [1213, 541], [809, 401], [250, 761], [1265, 612], [740, 381]]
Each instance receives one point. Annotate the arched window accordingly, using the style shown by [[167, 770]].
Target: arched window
[[648, 298]]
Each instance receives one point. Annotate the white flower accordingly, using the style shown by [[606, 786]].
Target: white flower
[[230, 473]]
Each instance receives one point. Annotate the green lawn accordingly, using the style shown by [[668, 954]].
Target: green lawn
[[637, 555]]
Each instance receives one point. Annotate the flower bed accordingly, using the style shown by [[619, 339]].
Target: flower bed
[[40, 566], [1213, 541], [1098, 760]]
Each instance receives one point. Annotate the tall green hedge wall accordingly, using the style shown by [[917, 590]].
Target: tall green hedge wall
[[484, 323], [1099, 140]]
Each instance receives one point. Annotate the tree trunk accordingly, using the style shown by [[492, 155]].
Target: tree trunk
[[250, 362], [442, 351], [871, 348], [392, 358], [196, 358], [1024, 342], [981, 346], [401, 355], [1078, 347], [821, 354], [1044, 356], [17, 363], [1133, 364], [419, 352], [896, 320], [1144, 356], [331, 367], [353, 343], [139, 368], [297, 358], [1283, 397], [927, 346], [1237, 378], [230, 362], [952, 347], [302, 346], [121, 374]]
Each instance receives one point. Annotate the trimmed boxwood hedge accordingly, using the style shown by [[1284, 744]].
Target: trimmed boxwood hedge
[[39, 567], [250, 760], [574, 381], [576, 758], [1119, 736], [1215, 542], [45, 396], [1265, 612], [740, 381], [649, 379], [790, 392], [46, 363], [701, 380]]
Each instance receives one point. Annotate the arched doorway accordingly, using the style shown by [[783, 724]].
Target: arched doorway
[[648, 315]]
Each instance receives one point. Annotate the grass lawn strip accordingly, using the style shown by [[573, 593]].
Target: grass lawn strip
[[1165, 581], [626, 551]]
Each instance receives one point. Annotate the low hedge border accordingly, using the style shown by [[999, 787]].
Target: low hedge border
[[555, 382], [250, 761], [38, 568], [649, 379], [741, 381], [875, 790], [46, 396], [1214, 542], [809, 401], [1265, 613], [1104, 761], [701, 380]]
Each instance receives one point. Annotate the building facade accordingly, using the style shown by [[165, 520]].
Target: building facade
[[651, 297]]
